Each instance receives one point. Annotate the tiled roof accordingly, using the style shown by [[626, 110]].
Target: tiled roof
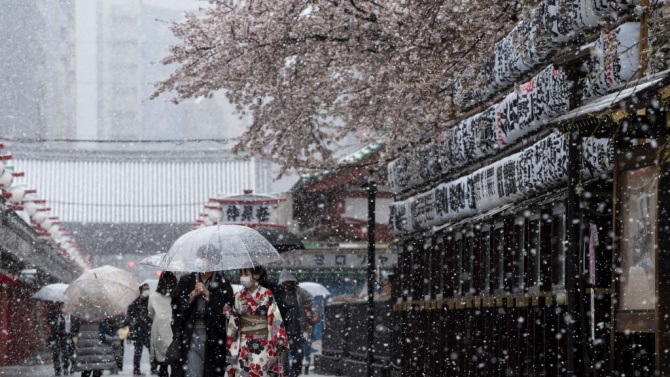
[[136, 191]]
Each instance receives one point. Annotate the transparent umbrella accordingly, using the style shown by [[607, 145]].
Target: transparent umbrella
[[220, 247], [315, 289], [100, 293], [153, 260], [52, 292]]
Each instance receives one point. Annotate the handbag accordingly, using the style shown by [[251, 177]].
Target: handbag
[[123, 332], [174, 353]]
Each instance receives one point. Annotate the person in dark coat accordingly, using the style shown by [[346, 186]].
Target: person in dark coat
[[114, 324], [60, 339], [140, 328], [197, 312], [94, 343], [300, 306]]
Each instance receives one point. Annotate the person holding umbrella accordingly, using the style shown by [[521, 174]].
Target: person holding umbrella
[[160, 312], [199, 325], [256, 338], [299, 318], [96, 296], [94, 343], [140, 328], [60, 338], [197, 317]]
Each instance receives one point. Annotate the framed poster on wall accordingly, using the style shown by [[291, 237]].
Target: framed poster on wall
[[639, 213]]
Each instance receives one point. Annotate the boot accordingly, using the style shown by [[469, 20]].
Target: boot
[[307, 370]]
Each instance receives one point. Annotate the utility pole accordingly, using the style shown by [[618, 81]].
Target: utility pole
[[577, 357]]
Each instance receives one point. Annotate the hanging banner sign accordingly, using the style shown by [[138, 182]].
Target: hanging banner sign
[[616, 62], [533, 41], [247, 213], [337, 259], [536, 169], [417, 167], [534, 104]]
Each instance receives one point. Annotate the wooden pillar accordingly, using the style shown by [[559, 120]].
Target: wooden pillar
[[663, 263]]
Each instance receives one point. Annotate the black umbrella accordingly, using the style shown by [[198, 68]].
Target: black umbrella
[[280, 238]]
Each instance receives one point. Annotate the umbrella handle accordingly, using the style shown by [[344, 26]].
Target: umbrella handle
[[227, 312]]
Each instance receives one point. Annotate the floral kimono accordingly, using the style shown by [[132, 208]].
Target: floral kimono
[[255, 331]]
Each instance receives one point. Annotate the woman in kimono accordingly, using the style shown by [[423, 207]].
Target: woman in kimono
[[256, 339]]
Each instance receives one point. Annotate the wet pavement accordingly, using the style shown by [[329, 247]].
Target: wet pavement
[[48, 371]]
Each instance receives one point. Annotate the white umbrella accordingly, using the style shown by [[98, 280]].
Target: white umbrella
[[315, 289], [218, 248], [52, 292], [100, 293], [152, 260]]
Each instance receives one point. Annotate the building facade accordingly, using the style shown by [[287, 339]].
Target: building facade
[[531, 240], [532, 231]]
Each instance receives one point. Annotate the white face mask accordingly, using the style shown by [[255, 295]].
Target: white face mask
[[145, 293], [247, 282]]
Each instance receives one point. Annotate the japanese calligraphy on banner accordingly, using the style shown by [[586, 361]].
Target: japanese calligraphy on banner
[[337, 260], [520, 113], [418, 167], [534, 104], [616, 62], [535, 169], [247, 213], [533, 41]]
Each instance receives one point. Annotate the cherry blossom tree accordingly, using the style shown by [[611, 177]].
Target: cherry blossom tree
[[312, 72]]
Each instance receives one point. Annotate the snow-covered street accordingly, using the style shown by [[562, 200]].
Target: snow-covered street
[[47, 369]]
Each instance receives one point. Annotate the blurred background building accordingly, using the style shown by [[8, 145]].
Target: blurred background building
[[127, 174]]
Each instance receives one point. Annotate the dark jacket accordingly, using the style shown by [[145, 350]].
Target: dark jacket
[[138, 316], [288, 313], [94, 346], [183, 319], [56, 321]]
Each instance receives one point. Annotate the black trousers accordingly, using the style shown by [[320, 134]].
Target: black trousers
[[293, 368], [162, 370], [118, 354], [137, 357], [62, 350]]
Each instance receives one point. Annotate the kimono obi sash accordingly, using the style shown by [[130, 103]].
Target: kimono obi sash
[[254, 324]]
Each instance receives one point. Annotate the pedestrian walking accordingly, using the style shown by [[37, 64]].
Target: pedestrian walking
[[60, 339], [198, 320], [140, 328], [300, 309], [112, 326], [313, 318], [94, 342], [160, 312], [256, 338]]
